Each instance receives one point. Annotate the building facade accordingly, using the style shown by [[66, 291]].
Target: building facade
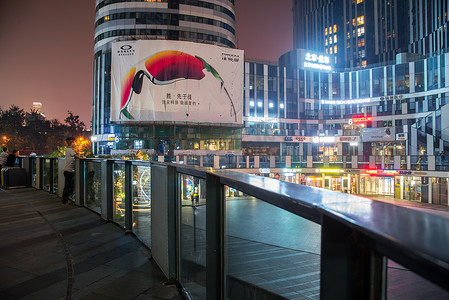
[[360, 33], [180, 20]]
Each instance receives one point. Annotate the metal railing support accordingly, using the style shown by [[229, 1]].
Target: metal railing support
[[79, 182], [215, 238], [107, 184], [350, 269]]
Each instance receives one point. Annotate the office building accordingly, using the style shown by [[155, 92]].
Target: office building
[[183, 20]]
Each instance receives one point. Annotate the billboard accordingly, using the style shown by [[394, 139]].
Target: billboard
[[176, 82], [380, 134]]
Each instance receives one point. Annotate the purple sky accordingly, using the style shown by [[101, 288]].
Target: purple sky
[[49, 59]]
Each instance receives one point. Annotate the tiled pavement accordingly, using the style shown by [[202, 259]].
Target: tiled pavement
[[53, 252]]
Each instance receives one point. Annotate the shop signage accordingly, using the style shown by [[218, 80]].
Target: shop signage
[[288, 139], [329, 171], [405, 172], [390, 172], [323, 139], [401, 136], [111, 137], [395, 97], [381, 134], [359, 120], [371, 172], [420, 173], [352, 101], [264, 171], [292, 170]]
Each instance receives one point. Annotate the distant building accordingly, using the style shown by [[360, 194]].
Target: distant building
[[359, 33], [37, 107]]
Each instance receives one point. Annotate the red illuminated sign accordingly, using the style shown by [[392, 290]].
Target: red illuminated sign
[[371, 172], [356, 120]]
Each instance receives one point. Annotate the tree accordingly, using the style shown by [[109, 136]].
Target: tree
[[74, 123]]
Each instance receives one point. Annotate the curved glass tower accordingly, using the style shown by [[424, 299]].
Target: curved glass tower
[[210, 22]]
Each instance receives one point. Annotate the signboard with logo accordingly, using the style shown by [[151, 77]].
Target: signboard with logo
[[173, 81], [381, 134]]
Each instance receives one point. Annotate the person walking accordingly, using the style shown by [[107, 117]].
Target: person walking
[[69, 171], [4, 157]]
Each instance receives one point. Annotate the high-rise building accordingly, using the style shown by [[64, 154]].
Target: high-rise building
[[365, 32], [180, 20]]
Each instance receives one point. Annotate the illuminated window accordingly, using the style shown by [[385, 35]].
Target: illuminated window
[[360, 20], [335, 28], [359, 1], [335, 38], [330, 30], [353, 22], [330, 40], [325, 31], [361, 42], [106, 18], [335, 60], [360, 31], [348, 35], [327, 51], [330, 50], [364, 63], [335, 49], [325, 42]]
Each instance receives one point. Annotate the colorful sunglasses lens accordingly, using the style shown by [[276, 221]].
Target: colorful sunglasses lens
[[167, 66], [126, 87]]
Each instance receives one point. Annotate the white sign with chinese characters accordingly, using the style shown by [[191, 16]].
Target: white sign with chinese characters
[[317, 61]]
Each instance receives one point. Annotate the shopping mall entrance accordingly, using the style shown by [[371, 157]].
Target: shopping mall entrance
[[376, 185]]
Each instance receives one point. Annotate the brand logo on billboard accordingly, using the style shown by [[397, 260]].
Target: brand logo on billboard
[[125, 50], [230, 57]]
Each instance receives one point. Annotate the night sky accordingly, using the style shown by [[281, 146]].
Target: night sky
[[46, 49]]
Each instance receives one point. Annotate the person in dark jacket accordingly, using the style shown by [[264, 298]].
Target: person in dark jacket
[[11, 160]]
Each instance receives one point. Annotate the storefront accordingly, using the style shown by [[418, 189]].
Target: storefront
[[377, 182]]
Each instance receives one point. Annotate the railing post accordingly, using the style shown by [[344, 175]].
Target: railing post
[[128, 196], [215, 238], [79, 182], [349, 268], [106, 189]]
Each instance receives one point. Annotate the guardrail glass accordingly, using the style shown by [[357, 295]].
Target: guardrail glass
[[118, 194], [270, 252], [46, 172], [141, 189], [93, 185], [33, 172], [192, 248], [55, 163]]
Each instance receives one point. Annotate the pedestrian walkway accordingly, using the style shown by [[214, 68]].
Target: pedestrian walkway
[[434, 208], [52, 252]]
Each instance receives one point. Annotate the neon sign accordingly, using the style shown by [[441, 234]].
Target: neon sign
[[329, 171], [316, 61], [371, 172], [358, 120]]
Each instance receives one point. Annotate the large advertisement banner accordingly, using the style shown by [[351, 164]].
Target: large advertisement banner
[[176, 82], [380, 134]]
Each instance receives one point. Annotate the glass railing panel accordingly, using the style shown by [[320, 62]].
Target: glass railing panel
[[228, 161], [270, 252], [208, 161], [193, 160], [55, 163], [142, 203], [92, 186], [118, 194], [33, 172], [405, 284], [46, 172], [192, 241]]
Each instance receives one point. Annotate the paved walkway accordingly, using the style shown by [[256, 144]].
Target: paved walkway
[[53, 252]]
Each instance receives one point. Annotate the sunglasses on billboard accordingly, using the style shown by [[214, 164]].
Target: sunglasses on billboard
[[164, 68]]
